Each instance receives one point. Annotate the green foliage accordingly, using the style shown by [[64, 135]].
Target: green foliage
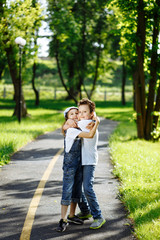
[[156, 134], [46, 73], [126, 14], [138, 23], [17, 20], [81, 30]]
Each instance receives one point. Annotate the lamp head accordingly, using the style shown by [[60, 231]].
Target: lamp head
[[20, 41]]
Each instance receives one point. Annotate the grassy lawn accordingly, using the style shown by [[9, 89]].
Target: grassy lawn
[[136, 162], [47, 117]]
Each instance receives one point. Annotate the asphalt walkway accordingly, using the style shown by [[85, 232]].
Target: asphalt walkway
[[30, 193]]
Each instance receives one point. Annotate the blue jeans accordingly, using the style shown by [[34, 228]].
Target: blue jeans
[[72, 175], [88, 180]]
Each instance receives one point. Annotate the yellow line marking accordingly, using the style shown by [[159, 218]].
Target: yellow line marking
[[27, 227]]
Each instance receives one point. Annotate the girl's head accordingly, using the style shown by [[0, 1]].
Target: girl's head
[[71, 113]]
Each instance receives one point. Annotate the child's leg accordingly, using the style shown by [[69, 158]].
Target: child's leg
[[64, 209], [77, 188], [72, 209], [83, 205], [88, 180], [76, 195]]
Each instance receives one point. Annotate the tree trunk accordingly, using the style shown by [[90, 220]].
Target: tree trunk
[[140, 79], [157, 109], [33, 84], [82, 52], [139, 121], [123, 83], [60, 72], [96, 72], [13, 68], [134, 92], [73, 86], [153, 74]]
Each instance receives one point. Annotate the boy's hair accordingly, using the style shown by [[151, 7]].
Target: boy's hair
[[86, 101]]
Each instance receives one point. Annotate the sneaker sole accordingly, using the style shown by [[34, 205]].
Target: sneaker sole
[[99, 225], [61, 230], [77, 223]]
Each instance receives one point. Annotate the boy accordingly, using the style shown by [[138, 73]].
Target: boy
[[89, 161]]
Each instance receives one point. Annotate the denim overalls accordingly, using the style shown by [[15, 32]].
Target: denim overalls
[[72, 174]]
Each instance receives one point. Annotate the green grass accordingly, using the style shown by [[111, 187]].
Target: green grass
[[47, 117], [137, 165]]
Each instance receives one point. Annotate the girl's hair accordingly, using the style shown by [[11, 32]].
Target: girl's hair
[[86, 101]]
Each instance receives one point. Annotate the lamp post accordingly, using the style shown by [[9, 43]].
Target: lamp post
[[21, 43]]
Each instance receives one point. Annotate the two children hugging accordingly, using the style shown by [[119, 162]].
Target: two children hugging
[[80, 160]]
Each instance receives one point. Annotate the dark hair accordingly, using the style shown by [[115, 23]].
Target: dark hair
[[86, 101]]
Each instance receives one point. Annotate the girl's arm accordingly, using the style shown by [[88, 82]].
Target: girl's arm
[[68, 124], [92, 132]]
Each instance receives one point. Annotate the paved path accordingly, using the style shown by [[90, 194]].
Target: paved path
[[33, 181]]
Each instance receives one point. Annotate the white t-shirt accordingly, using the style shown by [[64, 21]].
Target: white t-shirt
[[89, 145], [71, 134]]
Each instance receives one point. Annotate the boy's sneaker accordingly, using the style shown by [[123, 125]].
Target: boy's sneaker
[[62, 226], [75, 220], [84, 216], [97, 223]]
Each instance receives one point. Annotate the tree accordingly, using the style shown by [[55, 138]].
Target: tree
[[80, 31], [16, 18], [140, 21], [36, 26]]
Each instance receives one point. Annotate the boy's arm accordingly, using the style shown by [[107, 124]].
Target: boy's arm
[[92, 132], [90, 125]]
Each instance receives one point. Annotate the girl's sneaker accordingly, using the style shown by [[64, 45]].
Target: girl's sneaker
[[62, 225], [84, 216]]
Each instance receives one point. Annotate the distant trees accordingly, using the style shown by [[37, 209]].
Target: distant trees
[[139, 22], [84, 34], [17, 18], [80, 30]]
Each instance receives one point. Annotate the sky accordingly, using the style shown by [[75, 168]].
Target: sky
[[43, 42], [44, 31]]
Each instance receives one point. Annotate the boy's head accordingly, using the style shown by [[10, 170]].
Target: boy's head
[[71, 113], [86, 109]]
